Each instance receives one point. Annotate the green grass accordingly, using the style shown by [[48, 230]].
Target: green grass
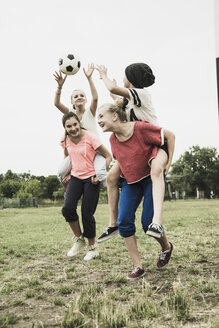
[[41, 287]]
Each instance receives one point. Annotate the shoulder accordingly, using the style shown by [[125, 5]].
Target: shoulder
[[143, 125], [140, 124], [89, 133], [136, 92], [139, 96], [88, 112], [112, 138], [64, 141]]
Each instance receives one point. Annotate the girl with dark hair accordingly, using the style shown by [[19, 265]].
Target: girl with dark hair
[[87, 117], [82, 146]]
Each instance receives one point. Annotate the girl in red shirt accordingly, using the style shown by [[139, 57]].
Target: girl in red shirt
[[138, 107], [134, 145]]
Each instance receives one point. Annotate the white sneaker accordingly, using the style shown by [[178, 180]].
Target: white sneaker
[[79, 244], [92, 253]]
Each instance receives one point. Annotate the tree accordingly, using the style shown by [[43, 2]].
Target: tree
[[196, 168], [9, 175], [59, 194], [9, 188], [33, 186], [25, 176], [50, 184]]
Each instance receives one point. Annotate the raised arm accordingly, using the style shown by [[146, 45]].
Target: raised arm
[[60, 80], [88, 73], [111, 85], [170, 137]]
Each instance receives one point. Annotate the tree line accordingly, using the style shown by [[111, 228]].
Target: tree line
[[197, 168], [25, 185]]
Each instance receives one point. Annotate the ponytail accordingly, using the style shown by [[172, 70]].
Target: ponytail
[[118, 109]]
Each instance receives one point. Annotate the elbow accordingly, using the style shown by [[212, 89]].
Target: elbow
[[95, 99], [112, 89], [109, 158], [108, 161]]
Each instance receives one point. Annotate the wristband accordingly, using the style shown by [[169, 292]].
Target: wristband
[[60, 88]]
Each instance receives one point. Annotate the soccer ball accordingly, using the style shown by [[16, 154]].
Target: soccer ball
[[69, 64]]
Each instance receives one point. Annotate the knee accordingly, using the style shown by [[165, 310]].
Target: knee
[[125, 231], [111, 179], [156, 171], [69, 214], [126, 226]]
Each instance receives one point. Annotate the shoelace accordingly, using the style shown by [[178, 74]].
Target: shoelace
[[163, 255], [157, 227], [92, 247], [106, 231], [75, 238], [136, 269]]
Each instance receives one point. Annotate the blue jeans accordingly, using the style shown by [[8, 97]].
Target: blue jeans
[[130, 198]]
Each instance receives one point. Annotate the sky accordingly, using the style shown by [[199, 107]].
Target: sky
[[175, 37]]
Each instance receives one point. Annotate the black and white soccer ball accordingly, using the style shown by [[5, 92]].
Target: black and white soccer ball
[[69, 64]]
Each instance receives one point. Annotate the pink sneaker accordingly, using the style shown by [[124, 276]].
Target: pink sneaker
[[136, 273], [164, 257]]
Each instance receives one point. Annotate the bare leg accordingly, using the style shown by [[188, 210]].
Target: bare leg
[[158, 186], [91, 241], [165, 245], [166, 251], [131, 245], [75, 227], [113, 193]]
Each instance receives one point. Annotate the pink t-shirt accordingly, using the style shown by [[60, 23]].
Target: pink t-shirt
[[82, 154], [134, 155]]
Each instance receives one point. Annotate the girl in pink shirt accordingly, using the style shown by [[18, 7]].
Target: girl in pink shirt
[[82, 146], [87, 117]]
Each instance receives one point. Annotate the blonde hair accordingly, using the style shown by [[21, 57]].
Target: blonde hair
[[116, 108]]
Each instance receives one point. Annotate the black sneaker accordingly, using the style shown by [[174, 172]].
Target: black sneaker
[[108, 233], [155, 230]]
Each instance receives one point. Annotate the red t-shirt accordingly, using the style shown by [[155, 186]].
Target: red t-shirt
[[134, 155]]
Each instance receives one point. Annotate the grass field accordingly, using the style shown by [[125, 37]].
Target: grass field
[[41, 287]]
